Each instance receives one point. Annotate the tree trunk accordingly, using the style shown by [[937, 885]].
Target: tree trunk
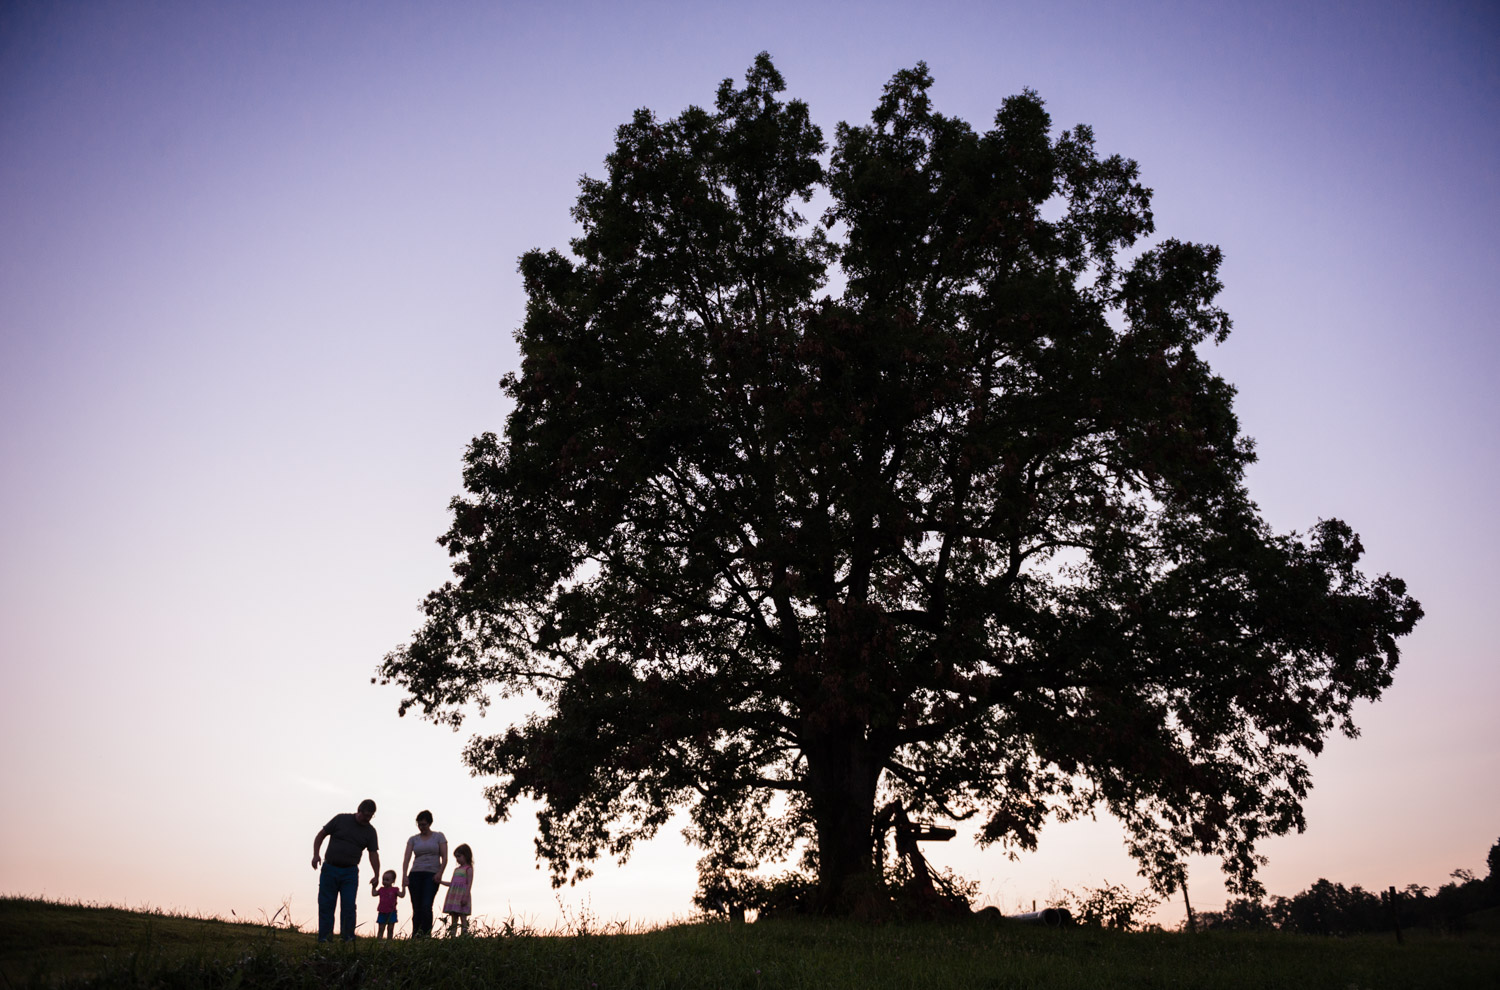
[[842, 777]]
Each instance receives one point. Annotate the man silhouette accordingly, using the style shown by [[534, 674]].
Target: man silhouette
[[348, 835]]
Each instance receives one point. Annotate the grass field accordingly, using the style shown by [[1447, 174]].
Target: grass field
[[70, 940], [45, 944]]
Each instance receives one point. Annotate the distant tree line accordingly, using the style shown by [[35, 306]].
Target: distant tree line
[[1328, 908]]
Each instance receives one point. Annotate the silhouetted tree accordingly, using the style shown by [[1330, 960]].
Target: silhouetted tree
[[1492, 880], [1240, 914], [1328, 908], [935, 500], [1453, 902]]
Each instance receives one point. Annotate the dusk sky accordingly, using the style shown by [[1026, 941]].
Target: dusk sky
[[258, 285]]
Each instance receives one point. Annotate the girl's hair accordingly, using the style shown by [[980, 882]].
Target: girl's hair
[[391, 874], [465, 853]]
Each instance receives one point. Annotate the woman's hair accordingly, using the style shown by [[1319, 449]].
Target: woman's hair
[[424, 816], [465, 853]]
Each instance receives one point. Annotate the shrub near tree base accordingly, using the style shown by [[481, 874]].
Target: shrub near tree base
[[738, 894], [971, 534], [1111, 906]]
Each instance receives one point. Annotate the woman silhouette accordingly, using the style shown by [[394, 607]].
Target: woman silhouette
[[421, 868]]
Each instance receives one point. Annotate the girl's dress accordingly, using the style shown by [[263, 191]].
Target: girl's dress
[[457, 901]]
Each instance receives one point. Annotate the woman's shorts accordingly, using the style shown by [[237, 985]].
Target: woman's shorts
[[385, 918]]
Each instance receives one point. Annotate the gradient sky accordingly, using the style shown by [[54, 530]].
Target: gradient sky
[[257, 286]]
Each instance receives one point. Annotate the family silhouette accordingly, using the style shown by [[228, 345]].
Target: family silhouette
[[423, 864]]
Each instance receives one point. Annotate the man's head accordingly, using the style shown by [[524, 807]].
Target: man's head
[[366, 810]]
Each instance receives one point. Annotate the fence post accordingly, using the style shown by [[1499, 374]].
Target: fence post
[[1391, 899]]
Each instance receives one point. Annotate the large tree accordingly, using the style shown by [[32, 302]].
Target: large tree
[[930, 497]]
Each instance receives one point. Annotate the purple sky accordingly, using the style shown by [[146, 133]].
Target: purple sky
[[257, 286]]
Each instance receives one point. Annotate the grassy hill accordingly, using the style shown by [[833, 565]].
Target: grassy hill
[[51, 944], [45, 938]]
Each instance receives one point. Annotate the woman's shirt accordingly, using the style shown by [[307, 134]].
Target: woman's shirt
[[428, 852]]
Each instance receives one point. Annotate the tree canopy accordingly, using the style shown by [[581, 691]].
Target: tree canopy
[[929, 496]]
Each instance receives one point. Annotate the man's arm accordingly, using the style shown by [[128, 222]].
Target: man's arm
[[375, 868], [318, 846]]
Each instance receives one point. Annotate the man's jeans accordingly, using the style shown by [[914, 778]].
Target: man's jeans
[[335, 882]]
